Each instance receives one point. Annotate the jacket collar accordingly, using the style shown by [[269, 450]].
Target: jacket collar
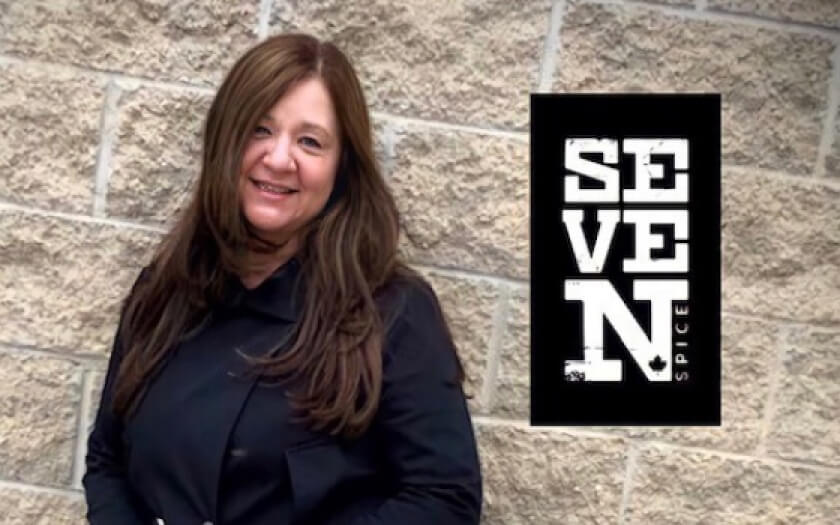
[[276, 296]]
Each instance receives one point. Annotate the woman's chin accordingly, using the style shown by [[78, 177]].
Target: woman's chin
[[269, 227]]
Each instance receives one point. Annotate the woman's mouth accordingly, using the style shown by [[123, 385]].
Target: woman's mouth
[[273, 189]]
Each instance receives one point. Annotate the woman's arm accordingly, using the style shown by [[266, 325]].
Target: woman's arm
[[424, 426], [110, 498]]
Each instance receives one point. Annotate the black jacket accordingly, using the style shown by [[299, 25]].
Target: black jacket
[[208, 445]]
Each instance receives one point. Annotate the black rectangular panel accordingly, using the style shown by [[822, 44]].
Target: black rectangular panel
[[625, 327]]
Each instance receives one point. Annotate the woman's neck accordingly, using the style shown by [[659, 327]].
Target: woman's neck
[[262, 265]]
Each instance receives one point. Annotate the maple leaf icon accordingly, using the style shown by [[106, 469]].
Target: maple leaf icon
[[656, 364]]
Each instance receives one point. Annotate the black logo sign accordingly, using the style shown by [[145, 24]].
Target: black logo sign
[[625, 259]]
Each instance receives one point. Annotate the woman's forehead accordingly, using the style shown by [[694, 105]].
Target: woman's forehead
[[306, 104]]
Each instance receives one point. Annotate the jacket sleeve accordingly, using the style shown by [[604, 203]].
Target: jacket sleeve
[[110, 498], [424, 425]]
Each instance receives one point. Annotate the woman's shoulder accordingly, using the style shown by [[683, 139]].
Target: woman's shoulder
[[406, 288], [409, 298]]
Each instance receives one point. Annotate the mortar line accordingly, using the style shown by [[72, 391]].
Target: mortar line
[[389, 140], [701, 5], [499, 326], [784, 176], [829, 119], [107, 135], [633, 452], [434, 124], [774, 379], [83, 360], [126, 80], [584, 432], [471, 274], [264, 18], [76, 217], [26, 487], [524, 424], [781, 321], [547, 64], [713, 15], [82, 422]]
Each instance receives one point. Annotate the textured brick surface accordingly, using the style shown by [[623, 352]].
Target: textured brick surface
[[63, 280], [465, 61], [50, 134], [36, 507], [781, 247], [182, 41], [39, 398], [821, 12], [806, 422], [157, 153], [464, 199], [540, 477], [468, 305], [774, 84], [680, 486]]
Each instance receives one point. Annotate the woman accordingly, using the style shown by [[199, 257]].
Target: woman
[[275, 362]]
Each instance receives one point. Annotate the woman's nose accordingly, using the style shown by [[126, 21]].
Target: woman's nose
[[278, 156]]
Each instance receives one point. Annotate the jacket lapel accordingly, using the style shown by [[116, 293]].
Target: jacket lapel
[[236, 396]]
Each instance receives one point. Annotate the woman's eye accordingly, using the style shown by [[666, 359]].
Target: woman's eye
[[261, 129], [309, 141]]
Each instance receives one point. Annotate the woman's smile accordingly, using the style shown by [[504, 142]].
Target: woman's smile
[[273, 191]]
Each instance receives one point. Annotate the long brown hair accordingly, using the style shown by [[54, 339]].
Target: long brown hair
[[347, 253]]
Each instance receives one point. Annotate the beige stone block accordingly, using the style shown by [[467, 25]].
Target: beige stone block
[[40, 507], [781, 246], [543, 476], [157, 153], [806, 422], [465, 61], [50, 122], [512, 395], [64, 280], [193, 42], [39, 399], [463, 199], [774, 84], [681, 486], [468, 305], [820, 12]]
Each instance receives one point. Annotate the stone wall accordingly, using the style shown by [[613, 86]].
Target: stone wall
[[101, 106]]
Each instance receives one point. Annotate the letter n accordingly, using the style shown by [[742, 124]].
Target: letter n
[[600, 302]]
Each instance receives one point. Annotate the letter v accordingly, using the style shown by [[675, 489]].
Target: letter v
[[591, 262]]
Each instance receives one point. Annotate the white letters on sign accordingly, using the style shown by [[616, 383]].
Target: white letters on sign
[[598, 297]]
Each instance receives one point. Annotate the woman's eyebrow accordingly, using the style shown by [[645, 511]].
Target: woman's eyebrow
[[305, 125], [315, 127]]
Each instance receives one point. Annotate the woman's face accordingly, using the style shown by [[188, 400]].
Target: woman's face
[[290, 161]]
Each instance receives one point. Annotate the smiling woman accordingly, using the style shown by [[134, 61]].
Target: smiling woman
[[276, 362]]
